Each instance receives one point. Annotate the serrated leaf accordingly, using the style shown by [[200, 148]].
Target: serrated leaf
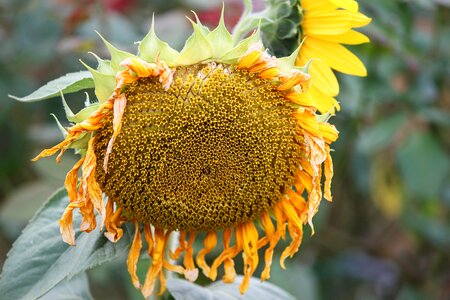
[[69, 83], [40, 260], [185, 290]]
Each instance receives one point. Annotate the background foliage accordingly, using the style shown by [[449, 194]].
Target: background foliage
[[387, 233]]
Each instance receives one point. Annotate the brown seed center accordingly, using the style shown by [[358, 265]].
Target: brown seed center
[[215, 150]]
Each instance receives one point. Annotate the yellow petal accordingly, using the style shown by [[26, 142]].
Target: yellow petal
[[191, 272], [323, 78], [336, 56], [332, 22], [350, 37], [308, 5], [250, 58], [351, 5], [209, 243], [303, 99], [328, 165], [359, 19], [329, 132], [133, 256], [324, 102], [228, 263]]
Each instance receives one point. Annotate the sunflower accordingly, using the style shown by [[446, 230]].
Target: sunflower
[[220, 140], [326, 25]]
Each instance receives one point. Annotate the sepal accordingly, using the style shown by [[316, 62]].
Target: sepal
[[117, 56], [237, 52], [220, 38], [151, 47], [104, 83], [196, 49]]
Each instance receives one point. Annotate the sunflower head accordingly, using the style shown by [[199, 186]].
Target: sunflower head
[[220, 138]]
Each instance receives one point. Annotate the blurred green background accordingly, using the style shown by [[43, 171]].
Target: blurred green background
[[387, 233]]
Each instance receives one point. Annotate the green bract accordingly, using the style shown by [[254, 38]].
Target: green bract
[[202, 46]]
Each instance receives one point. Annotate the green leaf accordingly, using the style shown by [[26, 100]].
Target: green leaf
[[185, 290], [21, 204], [436, 116], [40, 260], [69, 83], [297, 279], [77, 288]]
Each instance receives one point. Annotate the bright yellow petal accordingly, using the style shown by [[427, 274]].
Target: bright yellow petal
[[329, 132], [359, 20], [321, 23], [133, 256], [350, 37], [351, 5], [322, 75], [311, 5], [323, 102], [303, 99], [323, 78], [336, 56], [332, 22]]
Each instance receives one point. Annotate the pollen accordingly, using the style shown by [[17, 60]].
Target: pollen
[[215, 150]]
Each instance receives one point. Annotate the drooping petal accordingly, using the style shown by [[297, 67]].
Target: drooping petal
[[72, 180], [191, 272], [113, 222], [228, 263], [157, 256], [119, 108], [279, 233], [91, 189], [133, 256], [182, 244], [328, 175], [209, 243], [247, 238]]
